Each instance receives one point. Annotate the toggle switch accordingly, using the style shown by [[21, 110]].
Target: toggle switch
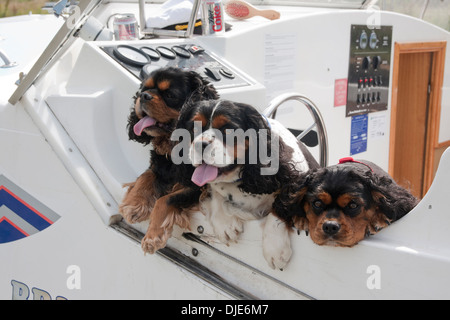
[[213, 74]]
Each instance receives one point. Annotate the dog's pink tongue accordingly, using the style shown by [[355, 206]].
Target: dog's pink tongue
[[204, 174], [145, 122]]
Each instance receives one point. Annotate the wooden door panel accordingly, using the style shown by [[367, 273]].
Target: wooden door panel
[[417, 79], [411, 120]]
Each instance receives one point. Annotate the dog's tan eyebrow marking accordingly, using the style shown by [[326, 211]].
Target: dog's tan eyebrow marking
[[219, 121], [325, 197], [149, 83], [200, 117], [344, 199], [164, 85]]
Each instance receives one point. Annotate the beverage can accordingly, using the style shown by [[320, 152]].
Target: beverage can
[[213, 22], [125, 27]]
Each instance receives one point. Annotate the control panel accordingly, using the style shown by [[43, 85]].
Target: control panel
[[141, 59], [369, 69]]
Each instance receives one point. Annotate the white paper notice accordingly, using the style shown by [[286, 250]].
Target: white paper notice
[[377, 125], [279, 63]]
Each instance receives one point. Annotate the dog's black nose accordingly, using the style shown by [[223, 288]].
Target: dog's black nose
[[331, 227], [145, 96], [205, 144]]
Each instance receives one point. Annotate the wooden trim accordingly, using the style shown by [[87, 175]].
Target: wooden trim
[[440, 149], [437, 81], [417, 47], [437, 75], [394, 97], [445, 144]]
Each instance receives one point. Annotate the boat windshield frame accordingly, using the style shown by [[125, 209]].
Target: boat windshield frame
[[62, 39]]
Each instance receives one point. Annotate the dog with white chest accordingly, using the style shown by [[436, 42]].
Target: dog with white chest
[[243, 159]]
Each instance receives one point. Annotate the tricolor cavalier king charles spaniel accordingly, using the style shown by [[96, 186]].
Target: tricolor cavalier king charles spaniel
[[155, 195], [242, 160], [342, 204]]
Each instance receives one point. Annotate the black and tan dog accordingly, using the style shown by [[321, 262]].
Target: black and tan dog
[[342, 204], [153, 118], [228, 144]]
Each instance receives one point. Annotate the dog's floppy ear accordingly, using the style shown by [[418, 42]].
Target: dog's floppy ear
[[252, 117], [201, 88], [254, 179], [289, 203], [186, 113], [391, 200], [184, 170]]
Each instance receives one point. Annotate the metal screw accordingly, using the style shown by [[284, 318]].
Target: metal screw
[[194, 252], [200, 229]]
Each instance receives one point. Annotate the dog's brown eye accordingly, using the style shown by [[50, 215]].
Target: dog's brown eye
[[317, 204], [352, 205]]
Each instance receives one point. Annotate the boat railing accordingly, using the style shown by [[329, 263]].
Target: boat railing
[[318, 123], [7, 63]]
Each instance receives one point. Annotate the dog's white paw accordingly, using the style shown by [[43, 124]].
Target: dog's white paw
[[277, 258], [276, 243], [228, 229]]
